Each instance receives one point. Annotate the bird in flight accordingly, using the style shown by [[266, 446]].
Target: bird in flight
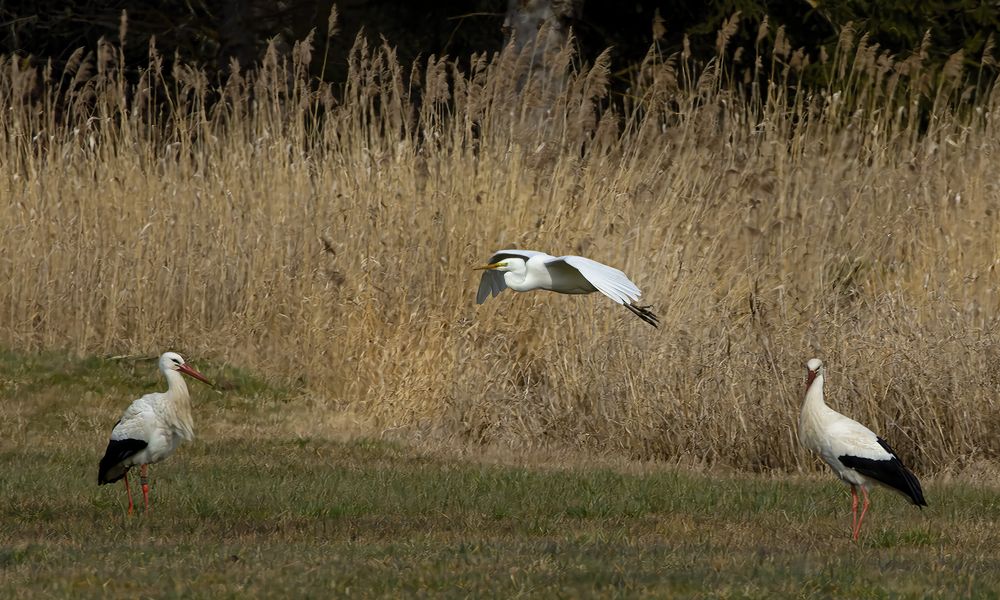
[[525, 270]]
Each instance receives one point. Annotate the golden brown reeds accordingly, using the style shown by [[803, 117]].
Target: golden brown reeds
[[325, 236]]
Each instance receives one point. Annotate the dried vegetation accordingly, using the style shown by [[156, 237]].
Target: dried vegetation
[[323, 234]]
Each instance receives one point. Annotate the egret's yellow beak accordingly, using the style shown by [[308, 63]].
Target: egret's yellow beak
[[484, 267]]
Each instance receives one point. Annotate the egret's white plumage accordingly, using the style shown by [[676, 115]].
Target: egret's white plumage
[[151, 427], [525, 270], [855, 453]]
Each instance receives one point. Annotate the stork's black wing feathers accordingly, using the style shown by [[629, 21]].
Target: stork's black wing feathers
[[118, 451], [891, 473]]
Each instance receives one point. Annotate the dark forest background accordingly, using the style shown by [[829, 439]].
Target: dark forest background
[[211, 33]]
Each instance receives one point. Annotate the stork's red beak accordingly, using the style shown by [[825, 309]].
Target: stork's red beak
[[189, 370], [810, 376]]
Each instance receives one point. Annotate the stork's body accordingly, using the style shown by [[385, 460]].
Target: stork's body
[[855, 453], [151, 428]]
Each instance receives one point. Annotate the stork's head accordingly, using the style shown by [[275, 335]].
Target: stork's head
[[814, 369], [171, 361]]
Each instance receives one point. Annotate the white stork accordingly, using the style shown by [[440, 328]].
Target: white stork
[[525, 270], [151, 428], [858, 456]]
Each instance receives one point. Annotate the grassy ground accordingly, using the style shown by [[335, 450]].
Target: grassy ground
[[253, 506]]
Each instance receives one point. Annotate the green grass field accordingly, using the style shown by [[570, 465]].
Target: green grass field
[[252, 508]]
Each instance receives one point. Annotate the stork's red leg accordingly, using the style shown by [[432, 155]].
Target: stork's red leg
[[864, 509], [144, 478], [854, 507], [128, 491]]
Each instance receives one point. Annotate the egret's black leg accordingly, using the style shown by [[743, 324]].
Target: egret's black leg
[[644, 313]]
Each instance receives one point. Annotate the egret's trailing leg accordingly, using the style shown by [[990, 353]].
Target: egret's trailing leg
[[644, 313]]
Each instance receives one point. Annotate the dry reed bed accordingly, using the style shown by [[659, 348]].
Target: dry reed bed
[[325, 234]]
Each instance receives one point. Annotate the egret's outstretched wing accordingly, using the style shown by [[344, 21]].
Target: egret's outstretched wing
[[608, 280], [491, 283], [525, 254]]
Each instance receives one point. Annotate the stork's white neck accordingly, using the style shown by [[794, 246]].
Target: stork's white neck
[[177, 404], [812, 416], [815, 412], [814, 395], [176, 386]]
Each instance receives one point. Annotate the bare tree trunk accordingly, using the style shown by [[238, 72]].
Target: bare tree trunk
[[236, 39], [528, 19]]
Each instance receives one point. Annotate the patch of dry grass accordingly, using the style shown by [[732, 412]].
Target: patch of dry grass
[[324, 235]]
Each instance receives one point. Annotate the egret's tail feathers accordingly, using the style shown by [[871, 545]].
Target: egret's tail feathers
[[644, 313]]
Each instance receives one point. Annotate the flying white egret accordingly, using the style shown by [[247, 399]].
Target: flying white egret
[[524, 270], [151, 428], [858, 456]]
